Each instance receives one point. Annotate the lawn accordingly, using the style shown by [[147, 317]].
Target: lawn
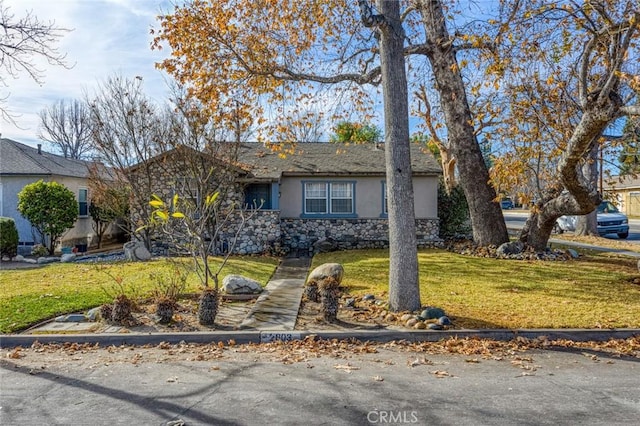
[[594, 291], [29, 296]]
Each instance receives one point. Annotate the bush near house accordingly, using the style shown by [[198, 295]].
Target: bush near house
[[8, 237], [50, 207]]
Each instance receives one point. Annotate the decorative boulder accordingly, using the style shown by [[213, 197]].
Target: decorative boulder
[[136, 251], [431, 313], [324, 271], [237, 284], [506, 249], [68, 257]]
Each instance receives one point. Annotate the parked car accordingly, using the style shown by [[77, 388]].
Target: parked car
[[506, 204], [610, 221]]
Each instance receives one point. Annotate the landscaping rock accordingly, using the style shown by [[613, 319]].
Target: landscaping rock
[[45, 260], [136, 251], [368, 297], [66, 258], [435, 326], [71, 318], [18, 258], [237, 284], [432, 313], [325, 271], [92, 314], [574, 254], [511, 248], [444, 320]]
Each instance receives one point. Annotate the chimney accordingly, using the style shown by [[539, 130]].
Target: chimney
[[39, 149]]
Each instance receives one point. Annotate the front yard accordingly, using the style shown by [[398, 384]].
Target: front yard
[[595, 291]]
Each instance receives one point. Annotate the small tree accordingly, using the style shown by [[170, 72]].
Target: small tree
[[8, 237], [50, 207], [348, 132]]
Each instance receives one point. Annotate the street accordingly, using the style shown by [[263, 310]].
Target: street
[[260, 385], [515, 219]]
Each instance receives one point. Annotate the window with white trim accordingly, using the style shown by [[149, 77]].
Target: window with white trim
[[328, 198]]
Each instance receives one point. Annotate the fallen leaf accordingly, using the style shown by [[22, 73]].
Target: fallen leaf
[[472, 360], [440, 374], [378, 378], [172, 379], [346, 367]]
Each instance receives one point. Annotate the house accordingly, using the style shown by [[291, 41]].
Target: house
[[624, 191], [322, 192], [21, 165]]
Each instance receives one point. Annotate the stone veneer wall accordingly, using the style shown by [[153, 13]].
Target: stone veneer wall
[[302, 234], [260, 234]]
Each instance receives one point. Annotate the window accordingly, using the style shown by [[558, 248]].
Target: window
[[329, 198], [83, 205], [258, 195], [385, 209], [189, 196]]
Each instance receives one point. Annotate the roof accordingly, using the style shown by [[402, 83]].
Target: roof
[[622, 182], [329, 159], [20, 159]]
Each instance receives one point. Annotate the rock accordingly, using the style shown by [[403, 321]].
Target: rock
[[66, 258], [27, 260], [368, 297], [237, 284], [136, 251], [325, 245], [18, 258], [410, 323], [432, 313], [510, 248], [406, 317], [6, 258], [435, 326], [45, 260], [444, 320], [350, 303], [390, 318], [420, 325], [326, 271], [92, 314]]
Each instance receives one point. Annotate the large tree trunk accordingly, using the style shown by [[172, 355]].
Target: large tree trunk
[[486, 216], [588, 224], [404, 290]]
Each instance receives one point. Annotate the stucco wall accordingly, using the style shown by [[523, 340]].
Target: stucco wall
[[368, 196], [81, 233]]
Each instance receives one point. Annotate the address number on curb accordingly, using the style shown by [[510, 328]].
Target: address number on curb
[[268, 336]]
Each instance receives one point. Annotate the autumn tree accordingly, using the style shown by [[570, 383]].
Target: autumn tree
[[569, 73], [24, 40], [629, 157], [274, 57], [267, 54], [66, 125], [349, 132]]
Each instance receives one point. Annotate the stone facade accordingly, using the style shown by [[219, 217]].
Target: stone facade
[[302, 234]]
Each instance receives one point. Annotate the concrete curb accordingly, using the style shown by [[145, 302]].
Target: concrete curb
[[241, 337]]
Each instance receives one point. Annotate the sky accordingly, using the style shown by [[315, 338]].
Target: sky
[[108, 37]]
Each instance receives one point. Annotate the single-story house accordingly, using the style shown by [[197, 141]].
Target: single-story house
[[624, 191], [323, 192], [21, 165]]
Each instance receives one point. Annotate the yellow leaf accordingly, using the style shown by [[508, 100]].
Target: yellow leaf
[[177, 215]]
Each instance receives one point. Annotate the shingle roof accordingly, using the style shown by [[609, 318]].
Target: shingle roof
[[329, 159], [20, 159]]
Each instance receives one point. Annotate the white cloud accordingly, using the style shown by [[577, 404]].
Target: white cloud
[[108, 37]]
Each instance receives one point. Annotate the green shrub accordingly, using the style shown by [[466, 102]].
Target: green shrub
[[453, 212], [8, 237], [39, 250]]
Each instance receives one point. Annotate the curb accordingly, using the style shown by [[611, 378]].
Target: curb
[[380, 336]]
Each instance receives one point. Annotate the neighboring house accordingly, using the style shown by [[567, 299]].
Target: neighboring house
[[624, 192], [331, 193], [21, 165]]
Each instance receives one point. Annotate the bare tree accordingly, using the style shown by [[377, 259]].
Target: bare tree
[[67, 126], [21, 41]]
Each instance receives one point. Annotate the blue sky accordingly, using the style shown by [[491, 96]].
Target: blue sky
[[109, 37]]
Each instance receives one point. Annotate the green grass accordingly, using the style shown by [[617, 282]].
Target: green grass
[[594, 291], [29, 296]]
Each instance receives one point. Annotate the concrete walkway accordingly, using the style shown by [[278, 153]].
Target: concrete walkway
[[277, 308]]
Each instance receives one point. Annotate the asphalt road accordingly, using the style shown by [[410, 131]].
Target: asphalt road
[[515, 219], [148, 387]]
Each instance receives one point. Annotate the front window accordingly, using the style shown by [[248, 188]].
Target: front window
[[83, 205], [258, 196], [328, 198]]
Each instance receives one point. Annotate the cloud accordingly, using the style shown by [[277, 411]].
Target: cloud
[[108, 37]]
